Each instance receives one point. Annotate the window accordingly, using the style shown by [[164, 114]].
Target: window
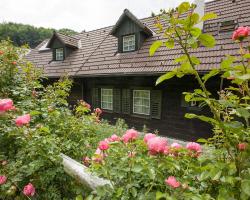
[[107, 99], [227, 26], [141, 102], [129, 43], [59, 54]]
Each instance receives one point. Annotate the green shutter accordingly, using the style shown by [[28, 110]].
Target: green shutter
[[126, 101], [117, 100], [95, 98], [156, 101]]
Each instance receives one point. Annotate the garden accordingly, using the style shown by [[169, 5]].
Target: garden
[[37, 126]]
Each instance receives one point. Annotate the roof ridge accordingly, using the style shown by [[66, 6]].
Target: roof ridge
[[66, 35]]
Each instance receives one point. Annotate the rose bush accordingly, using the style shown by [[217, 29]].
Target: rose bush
[[150, 168], [36, 125]]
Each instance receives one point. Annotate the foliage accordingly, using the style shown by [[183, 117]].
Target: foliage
[[22, 34], [223, 169], [31, 153]]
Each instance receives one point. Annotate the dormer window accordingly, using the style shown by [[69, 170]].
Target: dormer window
[[130, 32], [62, 46], [59, 54], [128, 43]]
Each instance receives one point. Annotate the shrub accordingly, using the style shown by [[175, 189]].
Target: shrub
[[154, 170], [36, 125]]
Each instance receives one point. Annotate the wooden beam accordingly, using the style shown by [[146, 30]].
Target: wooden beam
[[82, 174]]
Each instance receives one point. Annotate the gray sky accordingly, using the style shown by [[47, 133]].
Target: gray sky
[[77, 14]]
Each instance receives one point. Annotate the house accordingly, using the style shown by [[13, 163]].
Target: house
[[112, 69]]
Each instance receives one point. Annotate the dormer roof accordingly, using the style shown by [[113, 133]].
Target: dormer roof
[[128, 14], [68, 41]]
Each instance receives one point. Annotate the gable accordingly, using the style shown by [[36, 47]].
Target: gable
[[56, 43], [126, 27]]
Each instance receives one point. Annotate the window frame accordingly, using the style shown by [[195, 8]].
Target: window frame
[[112, 99], [149, 104], [62, 54], [128, 46]]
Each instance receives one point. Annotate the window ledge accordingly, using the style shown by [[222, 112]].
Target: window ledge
[[141, 116]]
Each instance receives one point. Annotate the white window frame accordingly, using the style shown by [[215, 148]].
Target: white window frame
[[128, 42], [59, 54], [103, 102], [147, 106]]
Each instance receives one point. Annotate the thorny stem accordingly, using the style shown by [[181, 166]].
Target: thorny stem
[[211, 104]]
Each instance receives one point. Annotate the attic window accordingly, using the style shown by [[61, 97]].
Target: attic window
[[227, 26], [59, 54], [128, 43]]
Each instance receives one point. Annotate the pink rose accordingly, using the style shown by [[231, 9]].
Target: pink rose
[[114, 138], [176, 145], [166, 151], [171, 181], [29, 190], [157, 145], [86, 161], [98, 111], [22, 120], [148, 136], [103, 145], [130, 135], [241, 33], [242, 146], [87, 105], [3, 180], [193, 146], [6, 104]]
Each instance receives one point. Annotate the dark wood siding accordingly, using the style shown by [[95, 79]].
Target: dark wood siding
[[128, 27], [170, 121]]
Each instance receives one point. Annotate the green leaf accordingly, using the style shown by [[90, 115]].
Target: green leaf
[[160, 195], [181, 59], [166, 76], [245, 186], [79, 197], [35, 112], [170, 44], [242, 112], [212, 73], [247, 56], [137, 168], [202, 140], [244, 77], [209, 16], [183, 7], [195, 60], [227, 63], [157, 44], [207, 40], [194, 19], [201, 117], [195, 32]]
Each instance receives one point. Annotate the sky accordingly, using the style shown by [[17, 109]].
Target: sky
[[78, 15]]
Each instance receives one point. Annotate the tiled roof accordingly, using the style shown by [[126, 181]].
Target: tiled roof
[[67, 40], [98, 55]]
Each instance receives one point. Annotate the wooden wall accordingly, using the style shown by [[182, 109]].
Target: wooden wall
[[172, 122]]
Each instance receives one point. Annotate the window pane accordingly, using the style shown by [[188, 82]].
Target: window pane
[[107, 99], [59, 54], [141, 102], [129, 43]]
